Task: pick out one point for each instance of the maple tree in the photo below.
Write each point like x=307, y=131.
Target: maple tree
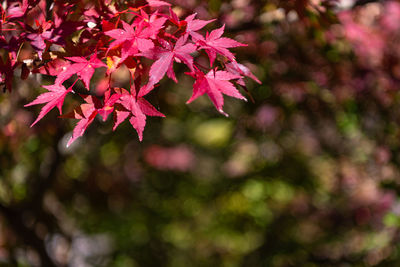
x=75, y=38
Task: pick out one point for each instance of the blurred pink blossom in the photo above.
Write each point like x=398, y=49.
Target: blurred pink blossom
x=368, y=43
x=178, y=158
x=391, y=19
x=266, y=116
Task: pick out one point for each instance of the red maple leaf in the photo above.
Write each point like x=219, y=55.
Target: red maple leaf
x=85, y=113
x=150, y=25
x=194, y=25
x=136, y=108
x=240, y=69
x=215, y=84
x=166, y=56
x=157, y=3
x=17, y=9
x=190, y=24
x=39, y=36
x=53, y=67
x=83, y=68
x=132, y=39
x=53, y=98
x=109, y=102
x=215, y=44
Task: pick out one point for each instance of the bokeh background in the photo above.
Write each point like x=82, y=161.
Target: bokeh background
x=306, y=175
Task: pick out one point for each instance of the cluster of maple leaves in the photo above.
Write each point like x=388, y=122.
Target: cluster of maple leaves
x=71, y=39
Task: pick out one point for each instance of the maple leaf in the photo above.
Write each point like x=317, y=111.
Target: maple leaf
x=53, y=98
x=215, y=84
x=166, y=57
x=53, y=67
x=189, y=24
x=157, y=3
x=109, y=102
x=151, y=25
x=39, y=37
x=215, y=44
x=17, y=9
x=136, y=108
x=193, y=25
x=132, y=40
x=240, y=69
x=86, y=113
x=83, y=68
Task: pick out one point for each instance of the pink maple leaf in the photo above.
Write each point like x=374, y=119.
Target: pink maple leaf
x=240, y=69
x=150, y=25
x=132, y=40
x=53, y=98
x=166, y=57
x=39, y=36
x=215, y=84
x=215, y=44
x=190, y=24
x=86, y=114
x=194, y=25
x=109, y=102
x=83, y=68
x=53, y=67
x=17, y=9
x=136, y=108
x=157, y=3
